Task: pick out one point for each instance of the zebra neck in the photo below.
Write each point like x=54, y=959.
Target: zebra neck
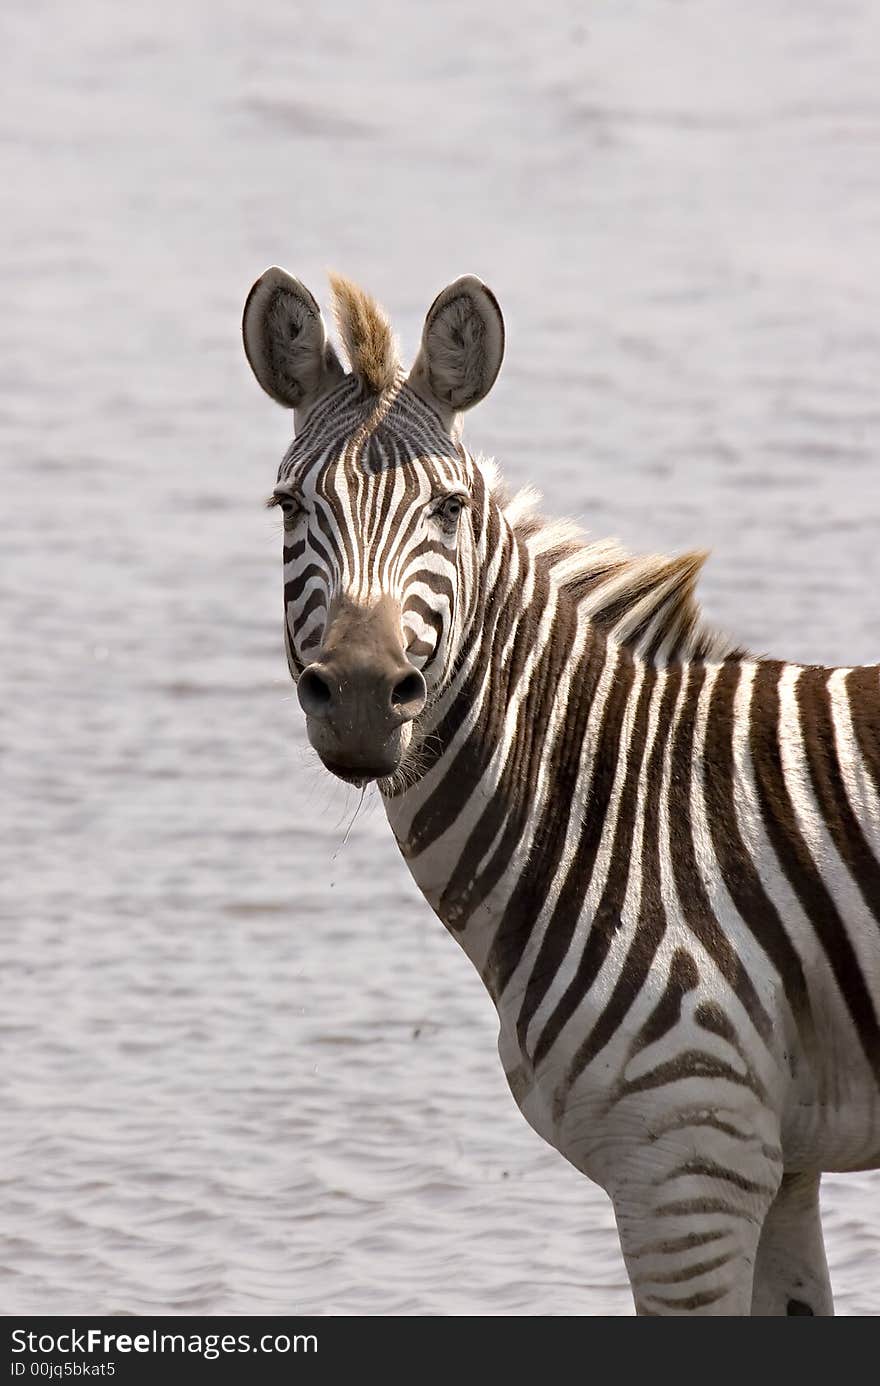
x=503, y=764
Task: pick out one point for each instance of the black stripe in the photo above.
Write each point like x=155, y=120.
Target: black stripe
x=738, y=871
x=695, y=905
x=312, y=603
x=863, y=691
x=697, y=1301
x=814, y=704
x=691, y=1063
x=683, y=977
x=294, y=589
x=684, y=1273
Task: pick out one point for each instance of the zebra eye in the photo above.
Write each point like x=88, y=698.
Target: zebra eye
x=290, y=506
x=448, y=511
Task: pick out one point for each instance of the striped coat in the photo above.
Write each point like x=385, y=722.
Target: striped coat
x=661, y=854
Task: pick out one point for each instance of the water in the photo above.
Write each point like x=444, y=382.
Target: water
x=246, y=1070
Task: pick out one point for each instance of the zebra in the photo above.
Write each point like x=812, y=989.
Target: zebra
x=660, y=852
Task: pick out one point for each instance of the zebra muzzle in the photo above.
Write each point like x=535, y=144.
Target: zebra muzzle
x=362, y=694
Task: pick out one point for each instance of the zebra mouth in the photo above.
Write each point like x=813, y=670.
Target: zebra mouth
x=357, y=775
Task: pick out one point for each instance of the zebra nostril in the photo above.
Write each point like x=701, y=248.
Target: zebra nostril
x=314, y=693
x=408, y=694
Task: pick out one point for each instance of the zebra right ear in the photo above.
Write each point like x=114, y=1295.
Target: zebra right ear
x=285, y=342
x=462, y=348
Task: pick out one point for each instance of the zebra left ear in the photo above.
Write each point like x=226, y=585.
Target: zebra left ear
x=285, y=342
x=462, y=348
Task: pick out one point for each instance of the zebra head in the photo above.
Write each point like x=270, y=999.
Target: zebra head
x=384, y=511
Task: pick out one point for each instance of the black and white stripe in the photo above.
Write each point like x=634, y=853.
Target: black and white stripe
x=662, y=854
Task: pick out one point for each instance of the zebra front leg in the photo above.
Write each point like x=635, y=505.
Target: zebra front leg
x=791, y=1272
x=690, y=1234
x=697, y=1263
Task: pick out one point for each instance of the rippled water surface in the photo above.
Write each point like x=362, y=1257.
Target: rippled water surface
x=245, y=1068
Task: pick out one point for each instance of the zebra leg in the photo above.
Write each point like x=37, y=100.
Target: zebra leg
x=690, y=1228
x=791, y=1272
x=688, y=1267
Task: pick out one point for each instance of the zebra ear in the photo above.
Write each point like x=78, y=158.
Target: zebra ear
x=285, y=342
x=462, y=347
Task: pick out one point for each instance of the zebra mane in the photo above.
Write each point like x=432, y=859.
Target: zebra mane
x=645, y=603
x=366, y=334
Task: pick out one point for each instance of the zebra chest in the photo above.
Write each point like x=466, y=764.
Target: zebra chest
x=537, y=1089
x=534, y=1099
